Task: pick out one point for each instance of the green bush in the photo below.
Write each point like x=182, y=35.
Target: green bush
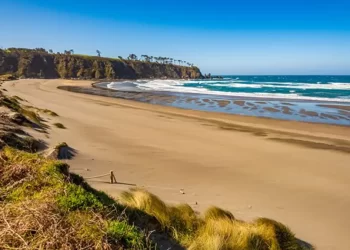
x=128, y=235
x=75, y=197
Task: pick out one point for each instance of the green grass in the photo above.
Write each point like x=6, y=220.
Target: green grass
x=125, y=233
x=90, y=57
x=46, y=209
x=76, y=197
x=59, y=125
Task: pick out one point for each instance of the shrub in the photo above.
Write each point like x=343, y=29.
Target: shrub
x=75, y=197
x=120, y=231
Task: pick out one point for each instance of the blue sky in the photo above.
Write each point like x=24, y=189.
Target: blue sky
x=221, y=37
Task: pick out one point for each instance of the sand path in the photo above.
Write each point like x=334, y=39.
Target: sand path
x=222, y=160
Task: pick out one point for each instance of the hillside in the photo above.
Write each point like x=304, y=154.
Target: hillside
x=28, y=63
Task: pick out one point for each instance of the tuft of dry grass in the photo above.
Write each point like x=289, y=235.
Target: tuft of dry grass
x=218, y=230
x=7, y=77
x=59, y=125
x=61, y=145
x=13, y=104
x=49, y=112
x=213, y=213
x=181, y=221
x=221, y=233
x=147, y=202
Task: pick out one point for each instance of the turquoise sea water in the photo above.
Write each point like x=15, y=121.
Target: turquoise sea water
x=299, y=87
x=318, y=88
x=320, y=99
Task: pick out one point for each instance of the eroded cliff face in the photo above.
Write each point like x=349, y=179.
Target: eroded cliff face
x=36, y=64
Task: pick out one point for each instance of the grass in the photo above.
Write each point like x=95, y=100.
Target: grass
x=49, y=112
x=46, y=207
x=217, y=229
x=43, y=208
x=13, y=104
x=18, y=98
x=26, y=143
x=61, y=145
x=7, y=77
x=59, y=125
x=214, y=213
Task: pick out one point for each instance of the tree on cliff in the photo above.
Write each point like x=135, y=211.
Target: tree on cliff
x=98, y=53
x=132, y=57
x=50, y=51
x=71, y=51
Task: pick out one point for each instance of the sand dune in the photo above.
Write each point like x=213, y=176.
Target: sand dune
x=294, y=172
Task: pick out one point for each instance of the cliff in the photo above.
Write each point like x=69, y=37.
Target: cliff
x=29, y=63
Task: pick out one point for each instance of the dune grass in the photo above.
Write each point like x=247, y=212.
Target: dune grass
x=217, y=229
x=49, y=112
x=7, y=77
x=59, y=125
x=213, y=213
x=13, y=104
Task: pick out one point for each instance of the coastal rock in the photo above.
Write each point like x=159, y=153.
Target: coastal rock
x=27, y=63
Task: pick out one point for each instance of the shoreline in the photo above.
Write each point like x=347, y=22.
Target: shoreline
x=294, y=172
x=238, y=97
x=282, y=109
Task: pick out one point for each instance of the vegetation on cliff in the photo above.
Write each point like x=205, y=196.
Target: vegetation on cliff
x=38, y=63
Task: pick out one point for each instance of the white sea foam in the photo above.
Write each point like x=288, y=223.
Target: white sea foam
x=340, y=86
x=177, y=86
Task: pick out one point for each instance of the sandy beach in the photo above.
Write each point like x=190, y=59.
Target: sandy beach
x=294, y=172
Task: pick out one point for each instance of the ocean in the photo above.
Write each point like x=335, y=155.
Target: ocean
x=319, y=88
x=317, y=99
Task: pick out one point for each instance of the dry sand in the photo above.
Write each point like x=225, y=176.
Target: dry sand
x=294, y=172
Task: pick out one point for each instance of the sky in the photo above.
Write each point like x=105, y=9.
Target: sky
x=220, y=37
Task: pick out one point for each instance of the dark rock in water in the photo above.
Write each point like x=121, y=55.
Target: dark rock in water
x=40, y=64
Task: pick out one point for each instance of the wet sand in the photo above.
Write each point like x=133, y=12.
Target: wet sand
x=341, y=107
x=294, y=172
x=306, y=111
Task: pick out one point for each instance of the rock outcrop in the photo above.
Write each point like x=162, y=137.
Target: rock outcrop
x=28, y=63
